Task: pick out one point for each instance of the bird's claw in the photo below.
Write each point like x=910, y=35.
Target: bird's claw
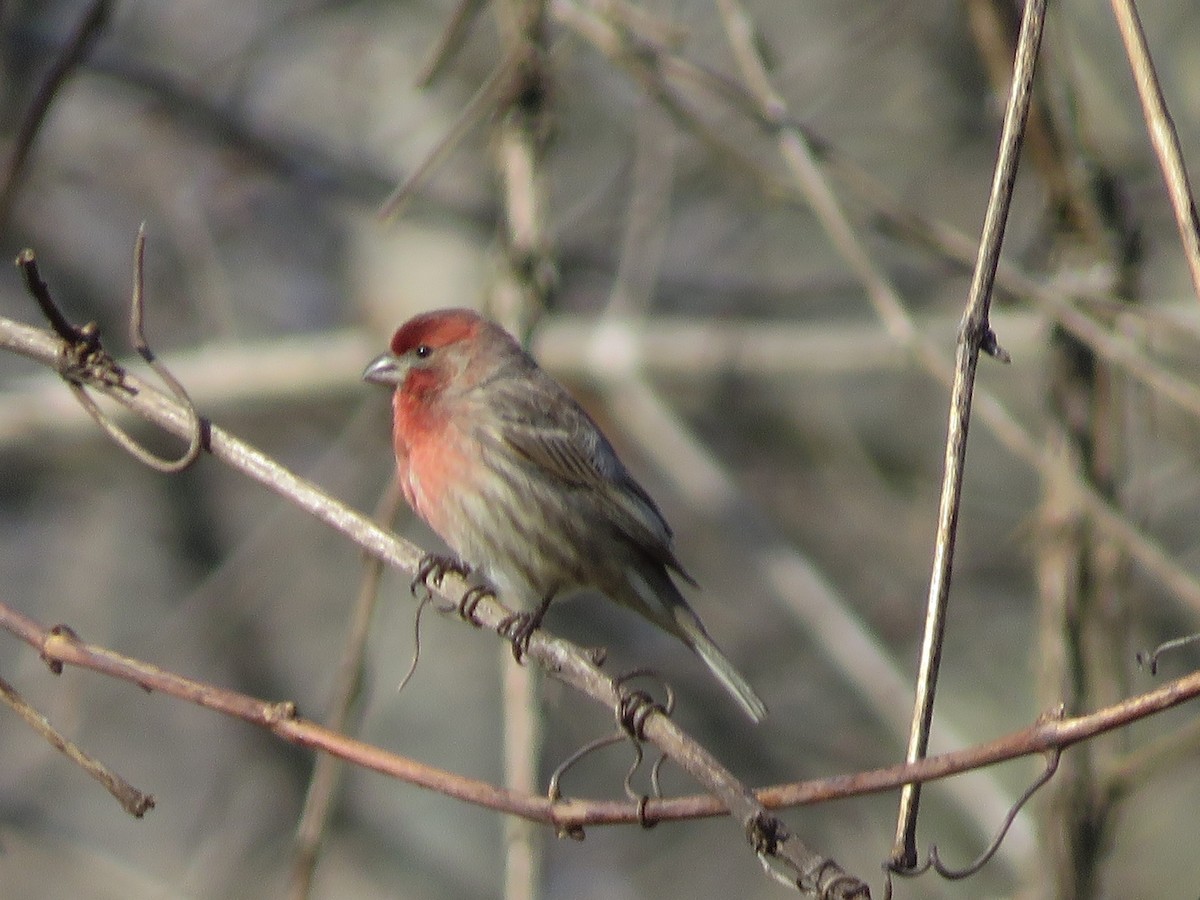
x=470, y=599
x=433, y=568
x=519, y=628
x=516, y=627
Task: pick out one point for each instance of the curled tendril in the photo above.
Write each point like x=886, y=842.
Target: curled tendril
x=554, y=791
x=635, y=707
x=416, y=655
x=824, y=879
x=632, y=710
x=934, y=861
x=84, y=362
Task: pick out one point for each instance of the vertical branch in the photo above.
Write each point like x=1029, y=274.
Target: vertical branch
x=1082, y=570
x=527, y=274
x=975, y=335
x=520, y=295
x=327, y=770
x=1082, y=621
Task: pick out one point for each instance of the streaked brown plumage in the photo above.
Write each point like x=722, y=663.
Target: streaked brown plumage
x=510, y=471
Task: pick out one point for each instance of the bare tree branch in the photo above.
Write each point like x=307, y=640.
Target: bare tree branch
x=810, y=871
x=60, y=647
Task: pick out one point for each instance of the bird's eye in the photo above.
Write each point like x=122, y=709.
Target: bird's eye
x=423, y=351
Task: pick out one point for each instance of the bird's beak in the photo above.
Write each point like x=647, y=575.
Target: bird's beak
x=384, y=369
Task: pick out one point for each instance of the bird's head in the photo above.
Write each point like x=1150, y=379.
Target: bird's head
x=436, y=349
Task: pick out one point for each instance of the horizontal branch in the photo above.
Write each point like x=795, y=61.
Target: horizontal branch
x=59, y=647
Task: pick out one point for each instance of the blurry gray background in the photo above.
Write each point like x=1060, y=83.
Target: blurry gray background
x=257, y=141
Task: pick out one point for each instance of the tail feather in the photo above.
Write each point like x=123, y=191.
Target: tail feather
x=731, y=679
x=659, y=601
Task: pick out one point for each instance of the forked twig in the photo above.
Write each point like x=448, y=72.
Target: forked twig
x=83, y=361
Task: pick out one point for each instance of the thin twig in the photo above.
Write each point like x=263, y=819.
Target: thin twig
x=648, y=64
x=453, y=36
x=132, y=800
x=1162, y=134
x=976, y=335
x=477, y=108
x=90, y=24
x=323, y=783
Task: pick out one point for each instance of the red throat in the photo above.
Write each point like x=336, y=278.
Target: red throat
x=428, y=460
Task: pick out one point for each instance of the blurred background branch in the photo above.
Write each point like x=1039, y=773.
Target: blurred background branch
x=258, y=143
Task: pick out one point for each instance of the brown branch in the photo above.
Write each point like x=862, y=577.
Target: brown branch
x=563, y=660
x=323, y=783
x=59, y=647
x=133, y=801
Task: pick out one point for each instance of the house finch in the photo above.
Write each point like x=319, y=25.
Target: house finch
x=516, y=478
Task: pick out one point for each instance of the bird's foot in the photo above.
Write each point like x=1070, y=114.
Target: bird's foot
x=519, y=628
x=470, y=599
x=433, y=568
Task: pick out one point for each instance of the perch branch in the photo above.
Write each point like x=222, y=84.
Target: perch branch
x=810, y=870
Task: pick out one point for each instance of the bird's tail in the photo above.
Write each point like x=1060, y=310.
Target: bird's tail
x=656, y=597
x=693, y=633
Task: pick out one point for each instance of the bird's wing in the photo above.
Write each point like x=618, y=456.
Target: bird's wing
x=567, y=445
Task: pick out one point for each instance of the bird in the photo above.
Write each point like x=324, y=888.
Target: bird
x=518, y=480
